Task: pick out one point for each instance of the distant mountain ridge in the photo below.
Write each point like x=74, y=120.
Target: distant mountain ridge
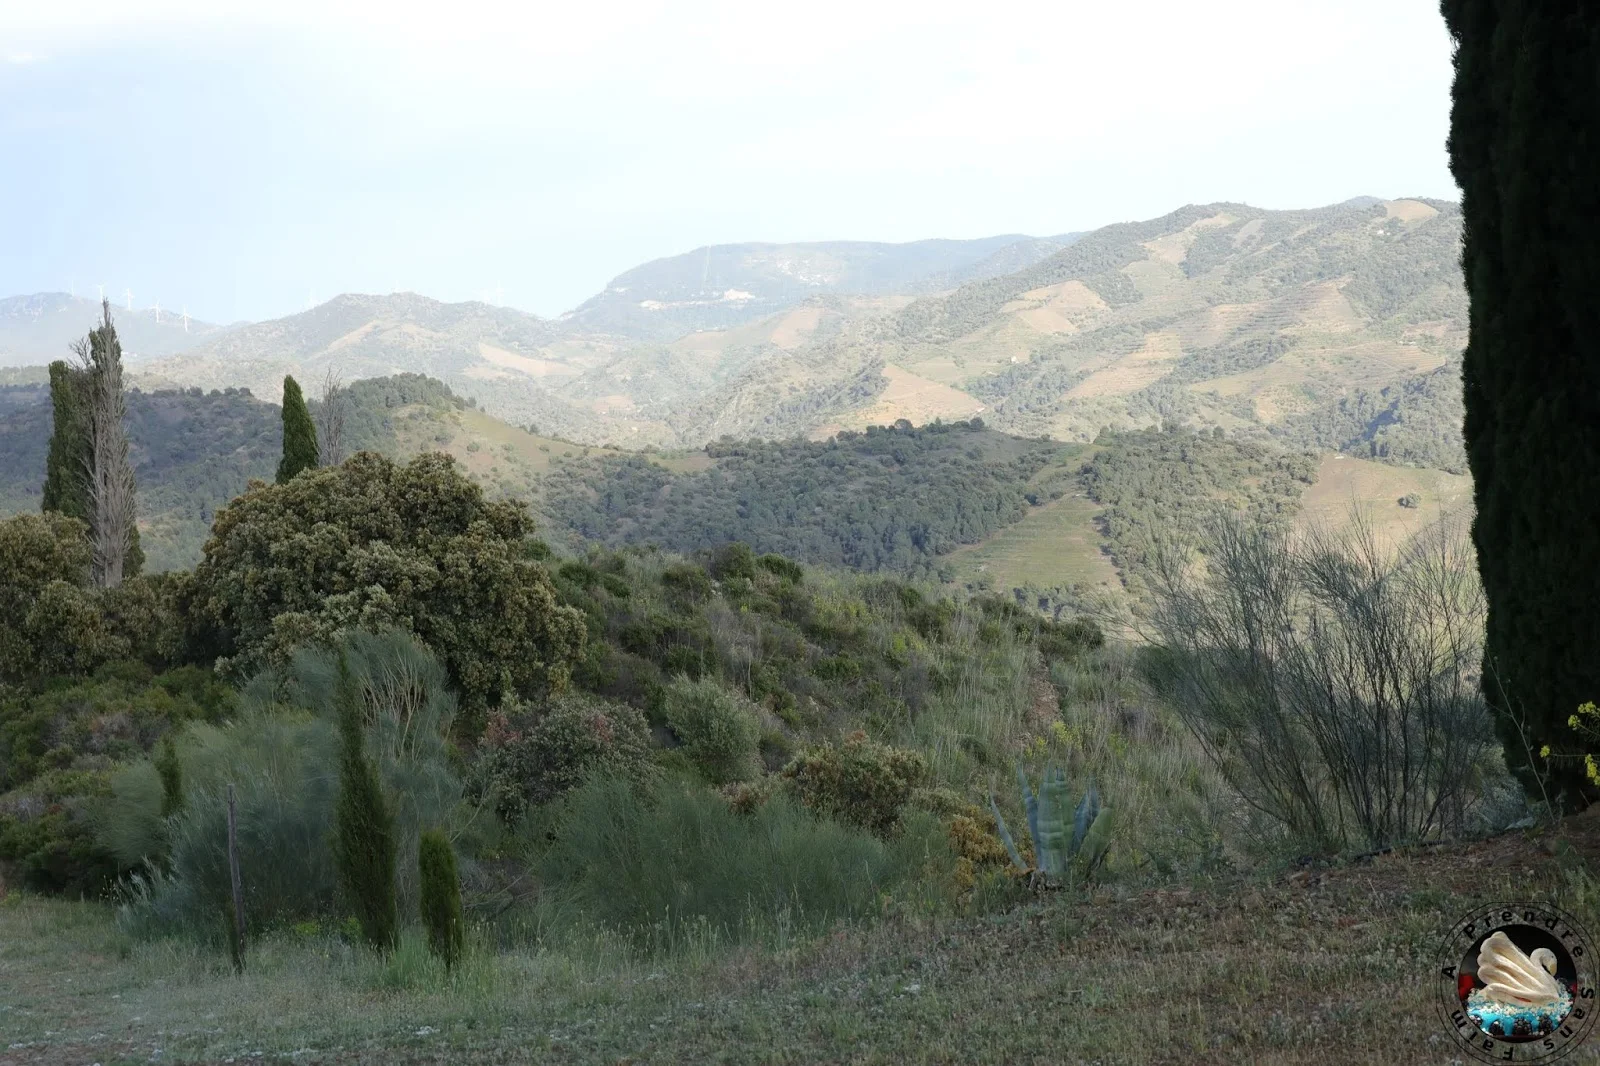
x=725, y=285
x=39, y=328
x=1334, y=326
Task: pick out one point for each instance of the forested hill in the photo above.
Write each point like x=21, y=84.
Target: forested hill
x=893, y=498
x=193, y=451
x=898, y=499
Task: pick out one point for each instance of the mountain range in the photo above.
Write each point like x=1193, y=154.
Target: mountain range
x=38, y=329
x=1336, y=327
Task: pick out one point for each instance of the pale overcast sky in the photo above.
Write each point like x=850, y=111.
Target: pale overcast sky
x=236, y=160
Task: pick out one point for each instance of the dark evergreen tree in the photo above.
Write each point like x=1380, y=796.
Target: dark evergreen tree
x=1525, y=150
x=171, y=771
x=364, y=838
x=299, y=433
x=440, y=896
x=66, y=487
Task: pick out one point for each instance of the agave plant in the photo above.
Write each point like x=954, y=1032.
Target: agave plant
x=1058, y=853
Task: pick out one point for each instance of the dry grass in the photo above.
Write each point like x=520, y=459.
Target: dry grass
x=914, y=397
x=1318, y=966
x=1375, y=488
x=1056, y=544
x=1132, y=372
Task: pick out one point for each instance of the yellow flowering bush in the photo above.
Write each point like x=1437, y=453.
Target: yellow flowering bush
x=1585, y=723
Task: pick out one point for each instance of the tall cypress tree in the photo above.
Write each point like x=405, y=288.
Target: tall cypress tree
x=1525, y=150
x=299, y=433
x=66, y=486
x=364, y=840
x=440, y=896
x=113, y=489
x=70, y=467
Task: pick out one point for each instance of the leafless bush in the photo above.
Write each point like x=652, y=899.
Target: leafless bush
x=330, y=419
x=1332, y=680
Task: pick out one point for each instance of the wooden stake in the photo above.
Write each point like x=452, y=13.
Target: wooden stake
x=238, y=886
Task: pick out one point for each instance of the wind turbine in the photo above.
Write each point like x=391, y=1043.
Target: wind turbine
x=186, y=319
x=158, y=310
x=129, y=294
x=102, y=288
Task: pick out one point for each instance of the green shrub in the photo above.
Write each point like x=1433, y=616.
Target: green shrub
x=734, y=560
x=532, y=758
x=860, y=782
x=787, y=569
x=441, y=896
x=719, y=728
x=371, y=543
x=686, y=584
x=47, y=836
x=118, y=714
x=364, y=848
x=656, y=869
x=282, y=754
x=1067, y=640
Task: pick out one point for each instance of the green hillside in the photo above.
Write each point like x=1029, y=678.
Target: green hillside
x=894, y=499
x=192, y=452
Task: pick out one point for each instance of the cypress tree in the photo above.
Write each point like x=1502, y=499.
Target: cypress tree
x=171, y=772
x=364, y=843
x=87, y=472
x=299, y=433
x=440, y=896
x=1525, y=150
x=66, y=486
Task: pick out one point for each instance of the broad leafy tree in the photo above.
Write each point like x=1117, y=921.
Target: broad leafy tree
x=371, y=544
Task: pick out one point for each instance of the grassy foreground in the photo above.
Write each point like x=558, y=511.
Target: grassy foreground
x=1310, y=966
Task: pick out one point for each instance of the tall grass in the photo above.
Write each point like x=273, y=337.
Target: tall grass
x=280, y=755
x=1175, y=814
x=680, y=867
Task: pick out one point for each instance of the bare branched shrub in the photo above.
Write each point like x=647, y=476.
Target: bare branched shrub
x=1333, y=680
x=330, y=418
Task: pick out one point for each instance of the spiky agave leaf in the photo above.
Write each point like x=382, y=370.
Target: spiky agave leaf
x=1084, y=817
x=1052, y=822
x=1096, y=842
x=1030, y=803
x=1005, y=835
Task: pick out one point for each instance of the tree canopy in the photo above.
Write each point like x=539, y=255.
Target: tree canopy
x=371, y=544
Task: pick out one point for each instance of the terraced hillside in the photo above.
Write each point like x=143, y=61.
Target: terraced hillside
x=1334, y=328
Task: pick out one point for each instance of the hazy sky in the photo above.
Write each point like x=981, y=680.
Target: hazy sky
x=236, y=160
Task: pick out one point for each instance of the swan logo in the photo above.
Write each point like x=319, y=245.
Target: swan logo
x=1517, y=983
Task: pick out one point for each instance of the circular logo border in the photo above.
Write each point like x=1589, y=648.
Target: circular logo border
x=1481, y=920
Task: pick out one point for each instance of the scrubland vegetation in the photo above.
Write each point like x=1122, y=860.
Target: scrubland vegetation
x=715, y=806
